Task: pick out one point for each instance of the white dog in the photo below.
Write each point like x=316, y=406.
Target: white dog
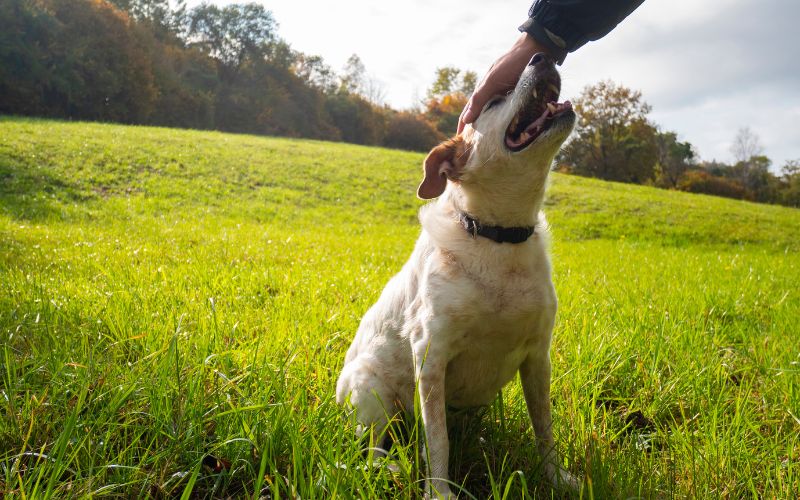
x=475, y=302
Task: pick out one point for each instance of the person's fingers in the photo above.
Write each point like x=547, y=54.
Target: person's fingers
x=467, y=115
x=472, y=110
x=501, y=77
x=461, y=123
x=476, y=101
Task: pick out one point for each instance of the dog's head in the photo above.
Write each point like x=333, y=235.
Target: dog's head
x=508, y=151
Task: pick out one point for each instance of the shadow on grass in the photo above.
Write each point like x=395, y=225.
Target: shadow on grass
x=494, y=458
x=31, y=193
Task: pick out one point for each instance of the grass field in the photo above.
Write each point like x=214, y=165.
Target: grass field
x=175, y=307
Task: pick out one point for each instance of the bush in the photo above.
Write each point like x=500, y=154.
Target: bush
x=410, y=131
x=698, y=181
x=356, y=118
x=75, y=59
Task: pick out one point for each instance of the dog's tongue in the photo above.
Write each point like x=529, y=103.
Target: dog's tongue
x=535, y=128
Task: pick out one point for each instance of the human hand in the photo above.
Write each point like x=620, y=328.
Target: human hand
x=501, y=78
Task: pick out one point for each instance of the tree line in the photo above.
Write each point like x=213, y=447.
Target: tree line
x=225, y=68
x=615, y=140
x=209, y=67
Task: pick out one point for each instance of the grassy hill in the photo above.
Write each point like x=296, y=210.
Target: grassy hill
x=175, y=307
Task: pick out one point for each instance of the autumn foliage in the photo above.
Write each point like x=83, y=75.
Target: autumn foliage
x=211, y=67
x=614, y=139
x=225, y=68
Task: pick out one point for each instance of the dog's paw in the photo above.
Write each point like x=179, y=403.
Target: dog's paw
x=562, y=479
x=437, y=490
x=448, y=495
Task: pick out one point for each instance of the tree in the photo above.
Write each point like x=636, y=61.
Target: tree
x=445, y=83
x=232, y=34
x=444, y=112
x=450, y=80
x=468, y=82
x=406, y=130
x=354, y=76
x=613, y=139
x=674, y=158
x=374, y=91
x=717, y=168
x=790, y=191
x=187, y=81
x=746, y=144
x=26, y=38
x=748, y=152
x=354, y=80
x=701, y=181
x=755, y=176
x=356, y=118
x=163, y=20
x=90, y=61
x=447, y=96
x=315, y=72
x=138, y=61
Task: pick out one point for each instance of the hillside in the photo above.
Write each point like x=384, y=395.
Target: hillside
x=176, y=306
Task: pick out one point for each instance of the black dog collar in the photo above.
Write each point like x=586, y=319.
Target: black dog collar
x=499, y=234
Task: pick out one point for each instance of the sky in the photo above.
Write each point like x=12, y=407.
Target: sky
x=708, y=68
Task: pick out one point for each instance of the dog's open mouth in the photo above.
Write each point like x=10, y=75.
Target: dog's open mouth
x=532, y=121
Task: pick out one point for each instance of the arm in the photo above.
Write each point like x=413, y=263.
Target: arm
x=566, y=25
x=555, y=27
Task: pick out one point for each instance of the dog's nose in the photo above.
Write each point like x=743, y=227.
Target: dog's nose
x=537, y=58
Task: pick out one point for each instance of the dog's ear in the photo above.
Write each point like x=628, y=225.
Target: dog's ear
x=445, y=161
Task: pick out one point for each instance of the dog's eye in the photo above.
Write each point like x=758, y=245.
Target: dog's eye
x=494, y=102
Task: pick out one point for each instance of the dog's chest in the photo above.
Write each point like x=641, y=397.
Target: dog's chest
x=487, y=356
x=502, y=312
x=505, y=287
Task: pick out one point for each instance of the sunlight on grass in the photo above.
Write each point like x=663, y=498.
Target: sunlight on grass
x=175, y=307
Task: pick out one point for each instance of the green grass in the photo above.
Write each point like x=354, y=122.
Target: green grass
x=171, y=296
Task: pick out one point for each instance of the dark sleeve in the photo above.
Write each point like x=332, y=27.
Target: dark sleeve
x=566, y=25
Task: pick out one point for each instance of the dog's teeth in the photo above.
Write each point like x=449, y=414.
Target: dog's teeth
x=551, y=107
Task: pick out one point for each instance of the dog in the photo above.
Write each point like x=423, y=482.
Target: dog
x=475, y=303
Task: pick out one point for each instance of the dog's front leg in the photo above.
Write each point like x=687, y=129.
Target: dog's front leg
x=431, y=364
x=535, y=377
